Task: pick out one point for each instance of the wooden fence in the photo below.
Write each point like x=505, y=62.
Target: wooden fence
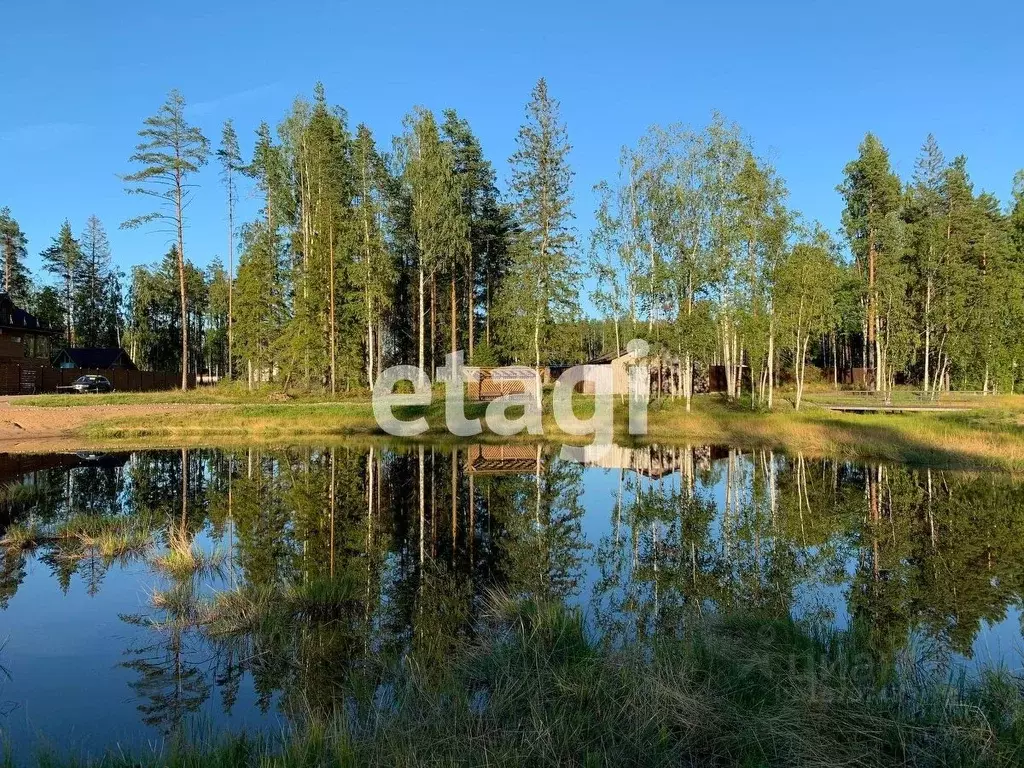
x=493, y=383
x=24, y=379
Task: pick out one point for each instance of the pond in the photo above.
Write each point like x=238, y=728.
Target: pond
x=147, y=594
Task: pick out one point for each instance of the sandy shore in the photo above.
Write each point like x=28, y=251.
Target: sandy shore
x=26, y=428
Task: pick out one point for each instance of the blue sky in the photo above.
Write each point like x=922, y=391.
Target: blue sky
x=804, y=79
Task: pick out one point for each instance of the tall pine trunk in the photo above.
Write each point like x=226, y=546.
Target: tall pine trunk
x=333, y=329
x=470, y=311
x=231, y=278
x=872, y=306
x=181, y=279
x=421, y=324
x=454, y=339
x=927, y=331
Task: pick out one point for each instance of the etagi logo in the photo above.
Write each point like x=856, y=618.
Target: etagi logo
x=629, y=377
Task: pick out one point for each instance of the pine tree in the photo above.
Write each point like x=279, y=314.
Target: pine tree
x=872, y=194
x=374, y=269
x=170, y=152
x=14, y=250
x=478, y=195
x=216, y=322
x=95, y=326
x=63, y=259
x=924, y=214
x=46, y=306
x=261, y=305
x=316, y=146
x=996, y=294
x=230, y=159
x=543, y=285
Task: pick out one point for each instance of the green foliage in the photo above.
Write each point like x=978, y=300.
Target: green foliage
x=169, y=153
x=362, y=258
x=541, y=285
x=63, y=260
x=14, y=249
x=154, y=327
x=484, y=356
x=97, y=291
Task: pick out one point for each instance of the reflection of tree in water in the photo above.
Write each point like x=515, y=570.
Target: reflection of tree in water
x=337, y=560
x=171, y=681
x=936, y=553
x=939, y=553
x=538, y=541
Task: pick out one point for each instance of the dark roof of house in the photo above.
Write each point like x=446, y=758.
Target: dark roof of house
x=16, y=317
x=605, y=358
x=97, y=357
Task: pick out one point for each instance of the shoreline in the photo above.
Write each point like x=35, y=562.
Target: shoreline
x=990, y=436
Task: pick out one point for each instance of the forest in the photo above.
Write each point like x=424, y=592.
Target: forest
x=367, y=253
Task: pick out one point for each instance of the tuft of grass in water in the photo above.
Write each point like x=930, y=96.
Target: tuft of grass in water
x=268, y=610
x=184, y=557
x=114, y=545
x=22, y=536
x=535, y=687
x=111, y=537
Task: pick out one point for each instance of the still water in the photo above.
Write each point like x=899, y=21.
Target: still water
x=359, y=552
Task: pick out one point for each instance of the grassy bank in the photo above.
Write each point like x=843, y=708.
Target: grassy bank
x=989, y=435
x=535, y=688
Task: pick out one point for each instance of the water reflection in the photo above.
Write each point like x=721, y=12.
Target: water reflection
x=271, y=584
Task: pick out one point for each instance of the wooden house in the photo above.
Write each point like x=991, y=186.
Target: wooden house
x=23, y=337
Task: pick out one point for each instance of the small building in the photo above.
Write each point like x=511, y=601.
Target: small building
x=96, y=358
x=492, y=383
x=622, y=366
x=23, y=336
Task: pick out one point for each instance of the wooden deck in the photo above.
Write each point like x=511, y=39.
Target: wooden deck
x=893, y=408
x=899, y=401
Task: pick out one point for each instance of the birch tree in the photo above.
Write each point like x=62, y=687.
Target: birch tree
x=807, y=279
x=436, y=218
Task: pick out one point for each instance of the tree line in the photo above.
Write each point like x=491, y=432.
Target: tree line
x=85, y=300
x=696, y=247
x=363, y=256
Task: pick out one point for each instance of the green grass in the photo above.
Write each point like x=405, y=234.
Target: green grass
x=223, y=394
x=112, y=537
x=184, y=558
x=278, y=609
x=535, y=688
x=991, y=435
